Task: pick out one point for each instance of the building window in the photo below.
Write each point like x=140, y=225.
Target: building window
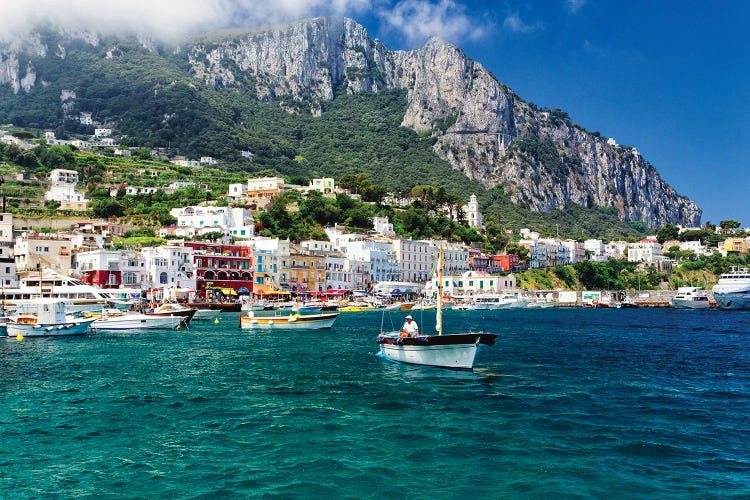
x=163, y=278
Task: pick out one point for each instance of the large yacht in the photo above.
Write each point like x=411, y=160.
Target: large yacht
x=77, y=294
x=733, y=289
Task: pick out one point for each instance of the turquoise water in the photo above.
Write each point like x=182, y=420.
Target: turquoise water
x=580, y=403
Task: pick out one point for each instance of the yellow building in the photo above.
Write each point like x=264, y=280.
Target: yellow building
x=738, y=245
x=307, y=272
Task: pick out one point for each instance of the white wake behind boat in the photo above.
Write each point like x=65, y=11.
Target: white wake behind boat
x=116, y=320
x=445, y=351
x=47, y=320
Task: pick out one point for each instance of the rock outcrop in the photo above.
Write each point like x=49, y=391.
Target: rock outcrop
x=538, y=157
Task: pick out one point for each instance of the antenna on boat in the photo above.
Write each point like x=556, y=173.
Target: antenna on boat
x=439, y=313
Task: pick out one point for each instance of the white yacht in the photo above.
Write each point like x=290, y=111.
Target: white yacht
x=78, y=296
x=733, y=289
x=499, y=301
x=690, y=297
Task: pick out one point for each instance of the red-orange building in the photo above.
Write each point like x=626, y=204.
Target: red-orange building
x=222, y=267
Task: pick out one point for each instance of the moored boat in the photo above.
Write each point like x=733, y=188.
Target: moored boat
x=287, y=321
x=733, y=289
x=117, y=320
x=49, y=319
x=690, y=297
x=444, y=351
x=171, y=309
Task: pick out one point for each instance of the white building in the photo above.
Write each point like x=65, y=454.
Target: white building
x=102, y=132
x=6, y=235
x=237, y=190
x=596, y=250
x=473, y=215
x=185, y=232
x=63, y=189
x=45, y=250
x=208, y=160
x=416, y=259
x=645, y=251
x=346, y=274
x=340, y=239
x=455, y=256
x=125, y=268
x=169, y=266
x=615, y=249
x=236, y=221
x=472, y=283
x=576, y=251
x=86, y=119
x=316, y=246
x=379, y=255
x=383, y=227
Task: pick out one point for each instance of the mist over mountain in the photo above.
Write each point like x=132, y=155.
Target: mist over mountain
x=262, y=90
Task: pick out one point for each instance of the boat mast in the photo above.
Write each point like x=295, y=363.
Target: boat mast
x=439, y=308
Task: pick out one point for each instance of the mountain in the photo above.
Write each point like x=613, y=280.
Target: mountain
x=475, y=124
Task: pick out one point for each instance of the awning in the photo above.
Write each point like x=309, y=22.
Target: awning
x=243, y=290
x=228, y=291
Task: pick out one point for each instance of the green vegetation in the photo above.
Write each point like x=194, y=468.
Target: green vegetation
x=153, y=100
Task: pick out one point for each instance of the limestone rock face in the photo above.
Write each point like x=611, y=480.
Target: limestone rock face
x=478, y=122
x=539, y=158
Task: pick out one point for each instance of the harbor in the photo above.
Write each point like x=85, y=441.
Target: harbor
x=571, y=401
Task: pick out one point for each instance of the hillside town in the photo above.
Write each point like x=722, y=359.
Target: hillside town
x=237, y=260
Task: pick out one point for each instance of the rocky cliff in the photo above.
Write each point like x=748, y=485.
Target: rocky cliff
x=480, y=124
x=538, y=157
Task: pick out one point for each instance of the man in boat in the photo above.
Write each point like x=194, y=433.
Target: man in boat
x=410, y=328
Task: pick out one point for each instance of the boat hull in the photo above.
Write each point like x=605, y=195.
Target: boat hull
x=690, y=304
x=74, y=327
x=137, y=322
x=732, y=300
x=445, y=351
x=291, y=322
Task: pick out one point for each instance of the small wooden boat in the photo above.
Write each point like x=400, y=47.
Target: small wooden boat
x=287, y=321
x=446, y=351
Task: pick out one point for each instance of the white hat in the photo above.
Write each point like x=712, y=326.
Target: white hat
x=409, y=317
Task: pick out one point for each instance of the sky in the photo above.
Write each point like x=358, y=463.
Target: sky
x=669, y=77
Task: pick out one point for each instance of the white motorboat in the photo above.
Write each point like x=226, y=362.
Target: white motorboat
x=49, y=319
x=490, y=301
x=116, y=320
x=445, y=351
x=733, y=289
x=78, y=296
x=690, y=297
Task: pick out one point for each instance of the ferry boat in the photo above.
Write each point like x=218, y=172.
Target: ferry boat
x=77, y=295
x=733, y=289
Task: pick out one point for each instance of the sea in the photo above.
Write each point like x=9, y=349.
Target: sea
x=572, y=403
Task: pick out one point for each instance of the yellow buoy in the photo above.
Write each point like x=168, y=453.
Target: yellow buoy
x=19, y=337
x=216, y=321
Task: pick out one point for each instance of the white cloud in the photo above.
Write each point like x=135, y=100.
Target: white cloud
x=418, y=20
x=574, y=6
x=162, y=19
x=514, y=23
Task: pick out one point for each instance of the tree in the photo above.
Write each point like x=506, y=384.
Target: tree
x=106, y=208
x=668, y=232
x=728, y=225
